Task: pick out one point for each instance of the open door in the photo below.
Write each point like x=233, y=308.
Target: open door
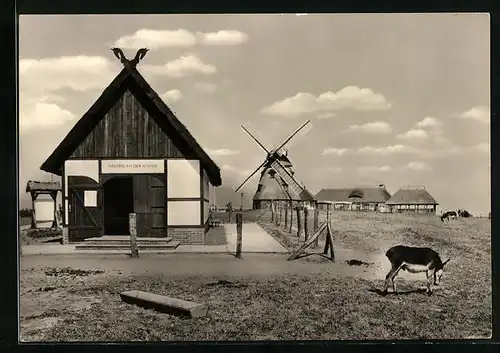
x=149, y=205
x=84, y=211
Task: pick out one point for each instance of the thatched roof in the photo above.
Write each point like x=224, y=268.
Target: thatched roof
x=42, y=186
x=129, y=79
x=368, y=194
x=412, y=197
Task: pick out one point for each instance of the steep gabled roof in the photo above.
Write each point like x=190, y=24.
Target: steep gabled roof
x=412, y=197
x=129, y=79
x=369, y=194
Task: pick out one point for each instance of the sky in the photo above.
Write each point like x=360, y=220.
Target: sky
x=398, y=99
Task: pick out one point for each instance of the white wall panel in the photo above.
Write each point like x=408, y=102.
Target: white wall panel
x=183, y=213
x=205, y=211
x=183, y=178
x=88, y=168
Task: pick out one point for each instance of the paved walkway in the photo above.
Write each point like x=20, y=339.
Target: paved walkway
x=254, y=240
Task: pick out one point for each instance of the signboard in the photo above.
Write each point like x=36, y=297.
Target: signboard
x=131, y=166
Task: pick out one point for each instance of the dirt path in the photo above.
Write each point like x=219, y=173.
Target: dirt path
x=251, y=265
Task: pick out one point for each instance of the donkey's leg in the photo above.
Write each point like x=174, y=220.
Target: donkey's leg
x=390, y=276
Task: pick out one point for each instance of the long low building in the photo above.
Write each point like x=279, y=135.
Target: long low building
x=412, y=200
x=352, y=199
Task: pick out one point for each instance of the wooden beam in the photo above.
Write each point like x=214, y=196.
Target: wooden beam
x=164, y=304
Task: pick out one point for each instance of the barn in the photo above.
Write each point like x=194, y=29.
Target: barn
x=358, y=198
x=412, y=200
x=127, y=154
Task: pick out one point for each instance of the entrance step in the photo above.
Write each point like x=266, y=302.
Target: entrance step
x=123, y=242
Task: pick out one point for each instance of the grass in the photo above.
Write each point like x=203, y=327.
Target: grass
x=335, y=301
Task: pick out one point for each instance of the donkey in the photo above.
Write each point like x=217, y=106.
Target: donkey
x=414, y=260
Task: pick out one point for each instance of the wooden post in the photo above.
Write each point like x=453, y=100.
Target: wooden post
x=272, y=211
x=132, y=219
x=306, y=223
x=291, y=218
x=286, y=216
x=299, y=222
x=316, y=224
x=230, y=211
x=33, y=215
x=239, y=235
x=280, y=206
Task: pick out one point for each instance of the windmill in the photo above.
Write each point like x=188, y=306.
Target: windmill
x=277, y=173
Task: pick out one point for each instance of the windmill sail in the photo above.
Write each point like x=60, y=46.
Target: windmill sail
x=293, y=184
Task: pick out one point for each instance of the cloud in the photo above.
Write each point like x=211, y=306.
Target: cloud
x=418, y=166
x=79, y=73
x=43, y=115
x=375, y=169
x=326, y=116
x=221, y=152
x=414, y=134
x=377, y=127
x=429, y=122
x=483, y=147
x=335, y=169
x=227, y=168
x=387, y=150
x=350, y=97
x=334, y=151
x=480, y=113
x=225, y=37
x=184, y=66
x=205, y=87
x=156, y=39
x=172, y=96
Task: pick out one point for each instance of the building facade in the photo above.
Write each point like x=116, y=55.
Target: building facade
x=353, y=199
x=130, y=154
x=412, y=200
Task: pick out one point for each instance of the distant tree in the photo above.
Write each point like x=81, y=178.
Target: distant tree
x=25, y=212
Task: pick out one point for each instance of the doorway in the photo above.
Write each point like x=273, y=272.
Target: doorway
x=118, y=197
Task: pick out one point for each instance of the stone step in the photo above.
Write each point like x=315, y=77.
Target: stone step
x=126, y=240
x=165, y=246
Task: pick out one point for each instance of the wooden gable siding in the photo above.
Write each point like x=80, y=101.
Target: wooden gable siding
x=128, y=131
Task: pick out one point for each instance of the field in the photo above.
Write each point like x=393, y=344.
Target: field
x=265, y=297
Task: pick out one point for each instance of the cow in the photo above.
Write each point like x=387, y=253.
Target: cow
x=414, y=260
x=464, y=214
x=447, y=215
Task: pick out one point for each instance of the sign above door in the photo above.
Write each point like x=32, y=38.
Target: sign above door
x=133, y=166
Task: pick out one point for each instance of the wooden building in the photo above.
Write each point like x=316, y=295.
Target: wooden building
x=353, y=199
x=130, y=154
x=412, y=200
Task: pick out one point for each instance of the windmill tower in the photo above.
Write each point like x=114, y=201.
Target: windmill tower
x=277, y=181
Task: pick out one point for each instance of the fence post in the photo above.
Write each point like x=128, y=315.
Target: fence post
x=306, y=223
x=132, y=221
x=239, y=231
x=316, y=225
x=299, y=222
x=286, y=216
x=272, y=211
x=291, y=218
x=281, y=212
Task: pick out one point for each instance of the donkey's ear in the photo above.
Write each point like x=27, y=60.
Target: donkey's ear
x=444, y=263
